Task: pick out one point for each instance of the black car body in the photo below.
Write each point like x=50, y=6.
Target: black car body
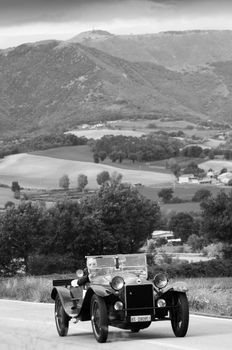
x=117, y=293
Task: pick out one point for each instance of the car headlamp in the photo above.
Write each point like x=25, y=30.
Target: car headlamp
x=117, y=283
x=160, y=280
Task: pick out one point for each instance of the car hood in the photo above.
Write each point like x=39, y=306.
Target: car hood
x=128, y=278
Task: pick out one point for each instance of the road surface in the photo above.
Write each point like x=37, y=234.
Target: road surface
x=31, y=326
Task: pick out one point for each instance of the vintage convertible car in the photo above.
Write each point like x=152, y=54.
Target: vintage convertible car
x=117, y=293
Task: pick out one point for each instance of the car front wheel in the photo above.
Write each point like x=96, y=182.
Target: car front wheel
x=99, y=318
x=180, y=315
x=61, y=318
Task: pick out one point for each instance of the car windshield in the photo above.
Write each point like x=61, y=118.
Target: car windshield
x=117, y=264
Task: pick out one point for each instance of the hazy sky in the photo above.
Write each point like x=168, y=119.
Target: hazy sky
x=31, y=20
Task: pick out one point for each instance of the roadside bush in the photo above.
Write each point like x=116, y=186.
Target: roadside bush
x=214, y=250
x=211, y=268
x=48, y=264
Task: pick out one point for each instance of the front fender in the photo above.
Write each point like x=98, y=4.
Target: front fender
x=102, y=291
x=65, y=298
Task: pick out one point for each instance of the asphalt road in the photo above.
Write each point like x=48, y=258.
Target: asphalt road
x=30, y=326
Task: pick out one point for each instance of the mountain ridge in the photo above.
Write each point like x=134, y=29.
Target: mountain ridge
x=55, y=85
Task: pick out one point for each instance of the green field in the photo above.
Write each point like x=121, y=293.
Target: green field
x=183, y=191
x=36, y=171
x=217, y=164
x=84, y=154
x=165, y=125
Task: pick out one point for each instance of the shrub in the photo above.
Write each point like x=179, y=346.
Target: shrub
x=48, y=264
x=214, y=250
x=211, y=268
x=201, y=195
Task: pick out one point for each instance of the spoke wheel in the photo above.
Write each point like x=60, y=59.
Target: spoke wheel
x=99, y=318
x=61, y=318
x=180, y=315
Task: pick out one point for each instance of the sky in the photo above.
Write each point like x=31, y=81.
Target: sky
x=24, y=21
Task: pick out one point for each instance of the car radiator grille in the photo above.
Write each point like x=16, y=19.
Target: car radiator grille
x=139, y=300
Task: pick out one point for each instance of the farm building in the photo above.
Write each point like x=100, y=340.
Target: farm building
x=225, y=178
x=187, y=178
x=205, y=181
x=162, y=234
x=168, y=235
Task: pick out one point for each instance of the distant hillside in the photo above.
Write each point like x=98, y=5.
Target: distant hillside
x=55, y=85
x=174, y=50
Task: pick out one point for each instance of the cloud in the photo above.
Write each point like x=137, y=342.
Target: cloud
x=29, y=11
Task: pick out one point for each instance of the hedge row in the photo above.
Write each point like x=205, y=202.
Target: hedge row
x=211, y=268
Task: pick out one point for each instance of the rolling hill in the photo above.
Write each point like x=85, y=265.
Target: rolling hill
x=173, y=50
x=55, y=85
x=35, y=171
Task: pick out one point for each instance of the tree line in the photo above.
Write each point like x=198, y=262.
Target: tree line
x=41, y=142
x=115, y=219
x=145, y=148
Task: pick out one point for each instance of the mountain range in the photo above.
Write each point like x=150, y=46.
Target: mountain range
x=55, y=85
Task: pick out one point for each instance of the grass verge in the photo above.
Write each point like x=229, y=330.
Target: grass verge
x=211, y=296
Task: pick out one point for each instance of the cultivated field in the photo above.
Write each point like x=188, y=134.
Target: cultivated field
x=217, y=165
x=98, y=133
x=84, y=154
x=34, y=171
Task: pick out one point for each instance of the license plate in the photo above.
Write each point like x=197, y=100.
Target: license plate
x=143, y=318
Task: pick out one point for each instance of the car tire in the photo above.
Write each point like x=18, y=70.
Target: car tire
x=180, y=315
x=61, y=318
x=99, y=318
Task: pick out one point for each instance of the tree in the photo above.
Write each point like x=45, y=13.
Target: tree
x=192, y=168
x=102, y=155
x=64, y=182
x=127, y=218
x=195, y=242
x=21, y=233
x=9, y=204
x=183, y=226
x=176, y=169
x=121, y=156
x=96, y=158
x=217, y=219
x=166, y=194
x=223, y=171
x=211, y=154
x=192, y=151
x=15, y=186
x=115, y=178
x=113, y=156
x=82, y=181
x=103, y=177
x=201, y=195
x=132, y=156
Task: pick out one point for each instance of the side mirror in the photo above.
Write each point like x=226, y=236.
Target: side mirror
x=79, y=273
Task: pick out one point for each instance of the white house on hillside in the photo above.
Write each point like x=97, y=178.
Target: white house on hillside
x=187, y=178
